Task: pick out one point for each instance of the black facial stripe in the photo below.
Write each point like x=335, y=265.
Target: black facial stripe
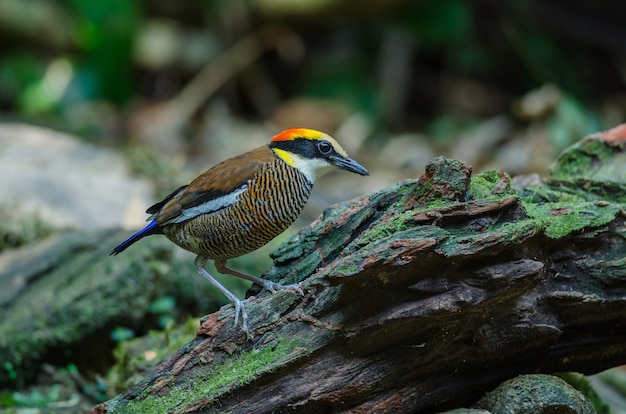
x=305, y=147
x=300, y=146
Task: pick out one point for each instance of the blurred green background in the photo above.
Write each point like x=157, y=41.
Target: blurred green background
x=173, y=87
x=543, y=72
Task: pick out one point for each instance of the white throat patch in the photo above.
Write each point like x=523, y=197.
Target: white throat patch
x=311, y=168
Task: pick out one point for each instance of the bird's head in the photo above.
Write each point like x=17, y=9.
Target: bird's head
x=313, y=152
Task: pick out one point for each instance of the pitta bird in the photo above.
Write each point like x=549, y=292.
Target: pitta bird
x=242, y=203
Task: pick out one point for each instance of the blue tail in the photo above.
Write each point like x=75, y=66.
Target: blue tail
x=152, y=228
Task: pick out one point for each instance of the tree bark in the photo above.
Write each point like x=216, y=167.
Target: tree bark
x=423, y=296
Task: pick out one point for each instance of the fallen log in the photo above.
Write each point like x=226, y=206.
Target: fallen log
x=422, y=296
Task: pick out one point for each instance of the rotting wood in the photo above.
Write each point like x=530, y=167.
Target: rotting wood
x=423, y=296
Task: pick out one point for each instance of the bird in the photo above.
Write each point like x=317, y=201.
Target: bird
x=242, y=203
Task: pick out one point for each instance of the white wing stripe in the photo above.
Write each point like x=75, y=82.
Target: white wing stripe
x=210, y=206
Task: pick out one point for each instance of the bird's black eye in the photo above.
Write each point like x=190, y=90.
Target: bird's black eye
x=324, y=147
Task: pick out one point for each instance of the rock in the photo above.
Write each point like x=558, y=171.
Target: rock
x=536, y=393
x=67, y=183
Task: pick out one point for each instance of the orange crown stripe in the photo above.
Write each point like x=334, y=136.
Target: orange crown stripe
x=294, y=133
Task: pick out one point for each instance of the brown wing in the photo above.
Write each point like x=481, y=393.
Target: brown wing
x=209, y=192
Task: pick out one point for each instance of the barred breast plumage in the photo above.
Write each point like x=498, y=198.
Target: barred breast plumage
x=271, y=201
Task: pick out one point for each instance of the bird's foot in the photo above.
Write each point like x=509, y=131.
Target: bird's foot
x=240, y=310
x=273, y=287
x=240, y=305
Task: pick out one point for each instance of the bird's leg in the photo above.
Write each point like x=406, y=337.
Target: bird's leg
x=267, y=284
x=240, y=308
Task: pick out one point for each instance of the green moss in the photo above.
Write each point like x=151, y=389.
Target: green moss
x=491, y=184
x=236, y=371
x=467, y=242
x=450, y=172
x=379, y=247
x=515, y=231
x=396, y=224
x=405, y=221
x=561, y=208
x=562, y=218
x=480, y=187
x=549, y=193
x=444, y=181
x=590, y=159
x=347, y=268
x=431, y=204
x=602, y=190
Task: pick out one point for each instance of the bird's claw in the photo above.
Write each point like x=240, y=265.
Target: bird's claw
x=240, y=309
x=240, y=305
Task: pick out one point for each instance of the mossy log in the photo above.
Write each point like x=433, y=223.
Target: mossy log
x=56, y=294
x=423, y=296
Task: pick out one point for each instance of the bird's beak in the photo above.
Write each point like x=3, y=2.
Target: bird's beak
x=348, y=164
